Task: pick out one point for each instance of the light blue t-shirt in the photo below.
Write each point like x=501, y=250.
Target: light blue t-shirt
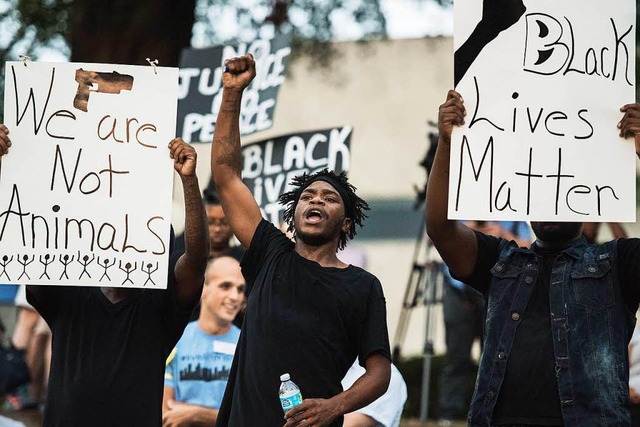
x=198, y=367
x=8, y=293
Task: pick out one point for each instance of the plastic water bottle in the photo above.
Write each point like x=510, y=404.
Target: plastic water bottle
x=290, y=396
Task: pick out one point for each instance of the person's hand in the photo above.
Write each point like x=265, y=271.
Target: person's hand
x=630, y=123
x=184, y=157
x=634, y=396
x=238, y=72
x=5, y=142
x=451, y=114
x=312, y=412
x=178, y=414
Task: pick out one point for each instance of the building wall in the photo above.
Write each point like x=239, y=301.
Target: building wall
x=387, y=91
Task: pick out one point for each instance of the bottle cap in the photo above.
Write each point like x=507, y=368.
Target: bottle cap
x=285, y=377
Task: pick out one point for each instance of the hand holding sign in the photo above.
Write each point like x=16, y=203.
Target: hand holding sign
x=630, y=123
x=5, y=142
x=450, y=114
x=184, y=157
x=239, y=72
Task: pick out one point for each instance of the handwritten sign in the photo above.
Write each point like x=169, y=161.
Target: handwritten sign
x=85, y=190
x=543, y=83
x=200, y=84
x=269, y=166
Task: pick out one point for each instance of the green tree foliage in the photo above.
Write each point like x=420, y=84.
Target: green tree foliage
x=125, y=31
x=312, y=23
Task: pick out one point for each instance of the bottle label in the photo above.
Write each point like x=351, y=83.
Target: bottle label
x=290, y=402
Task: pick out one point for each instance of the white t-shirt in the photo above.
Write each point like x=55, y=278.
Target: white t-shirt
x=387, y=409
x=21, y=298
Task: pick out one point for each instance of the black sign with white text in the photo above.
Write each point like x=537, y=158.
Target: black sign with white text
x=200, y=87
x=269, y=166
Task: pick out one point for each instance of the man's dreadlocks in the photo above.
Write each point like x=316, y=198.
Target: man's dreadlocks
x=354, y=206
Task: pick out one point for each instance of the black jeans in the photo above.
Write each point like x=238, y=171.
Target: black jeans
x=635, y=415
x=463, y=320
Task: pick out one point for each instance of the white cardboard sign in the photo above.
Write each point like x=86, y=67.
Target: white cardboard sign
x=543, y=82
x=85, y=191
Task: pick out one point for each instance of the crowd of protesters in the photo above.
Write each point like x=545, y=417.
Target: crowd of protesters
x=110, y=345
x=558, y=314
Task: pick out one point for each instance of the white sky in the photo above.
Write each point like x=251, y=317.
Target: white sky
x=405, y=19
x=414, y=19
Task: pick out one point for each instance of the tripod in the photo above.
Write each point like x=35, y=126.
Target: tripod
x=424, y=286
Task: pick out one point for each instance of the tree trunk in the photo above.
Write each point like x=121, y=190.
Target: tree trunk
x=128, y=32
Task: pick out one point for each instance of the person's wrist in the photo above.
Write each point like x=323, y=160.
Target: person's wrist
x=444, y=138
x=231, y=99
x=190, y=178
x=232, y=92
x=337, y=406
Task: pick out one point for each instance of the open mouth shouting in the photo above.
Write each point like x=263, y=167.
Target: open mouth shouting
x=314, y=215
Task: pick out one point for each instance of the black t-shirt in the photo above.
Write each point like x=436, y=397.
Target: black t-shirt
x=529, y=392
x=303, y=319
x=108, y=360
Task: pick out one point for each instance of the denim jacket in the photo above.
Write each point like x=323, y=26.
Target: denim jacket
x=591, y=328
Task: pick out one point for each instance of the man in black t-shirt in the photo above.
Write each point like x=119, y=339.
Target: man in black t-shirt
x=559, y=315
x=308, y=314
x=110, y=345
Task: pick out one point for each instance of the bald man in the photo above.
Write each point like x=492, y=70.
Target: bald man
x=198, y=368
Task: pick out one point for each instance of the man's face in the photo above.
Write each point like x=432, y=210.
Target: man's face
x=219, y=229
x=319, y=216
x=556, y=232
x=223, y=291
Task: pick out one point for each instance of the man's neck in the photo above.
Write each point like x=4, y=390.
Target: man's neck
x=324, y=255
x=211, y=325
x=557, y=246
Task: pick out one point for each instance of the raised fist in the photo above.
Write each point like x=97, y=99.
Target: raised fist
x=238, y=72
